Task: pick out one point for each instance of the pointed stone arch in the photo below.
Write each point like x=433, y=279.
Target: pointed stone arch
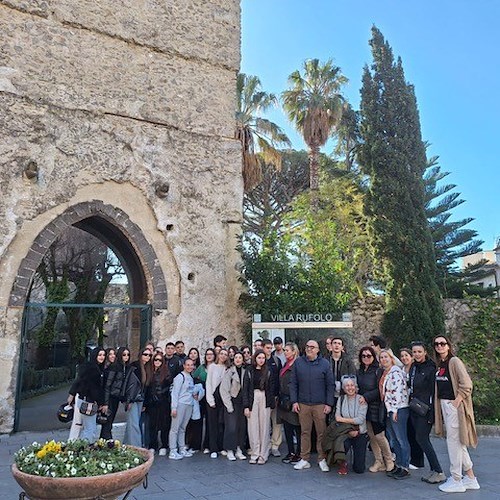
x=112, y=226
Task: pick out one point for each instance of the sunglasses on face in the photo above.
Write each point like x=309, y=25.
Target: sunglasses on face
x=125, y=354
x=440, y=344
x=366, y=355
x=158, y=359
x=146, y=354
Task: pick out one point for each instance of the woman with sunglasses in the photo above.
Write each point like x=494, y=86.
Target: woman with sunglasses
x=114, y=376
x=421, y=381
x=157, y=404
x=367, y=377
x=454, y=412
x=247, y=354
x=136, y=380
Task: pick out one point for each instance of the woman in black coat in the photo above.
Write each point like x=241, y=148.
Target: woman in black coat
x=114, y=376
x=289, y=418
x=157, y=404
x=89, y=386
x=421, y=380
x=368, y=377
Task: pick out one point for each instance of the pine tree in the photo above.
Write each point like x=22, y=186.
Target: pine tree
x=393, y=157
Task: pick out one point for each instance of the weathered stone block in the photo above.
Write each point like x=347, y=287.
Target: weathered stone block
x=200, y=29
x=81, y=69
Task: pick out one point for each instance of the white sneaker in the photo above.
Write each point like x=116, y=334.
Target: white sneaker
x=470, y=484
x=213, y=454
x=324, y=466
x=239, y=454
x=414, y=467
x=275, y=452
x=452, y=486
x=152, y=450
x=173, y=455
x=206, y=451
x=185, y=453
x=193, y=451
x=162, y=452
x=230, y=455
x=303, y=464
x=223, y=453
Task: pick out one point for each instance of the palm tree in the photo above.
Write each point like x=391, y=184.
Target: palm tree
x=314, y=104
x=256, y=134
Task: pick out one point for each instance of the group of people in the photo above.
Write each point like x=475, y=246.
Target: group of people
x=236, y=402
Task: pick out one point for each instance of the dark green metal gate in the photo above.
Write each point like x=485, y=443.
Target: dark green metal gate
x=47, y=366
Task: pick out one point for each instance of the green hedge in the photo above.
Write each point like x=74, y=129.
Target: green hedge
x=36, y=379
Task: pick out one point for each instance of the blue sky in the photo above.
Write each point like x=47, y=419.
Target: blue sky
x=450, y=53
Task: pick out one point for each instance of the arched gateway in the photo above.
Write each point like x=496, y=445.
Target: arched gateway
x=122, y=126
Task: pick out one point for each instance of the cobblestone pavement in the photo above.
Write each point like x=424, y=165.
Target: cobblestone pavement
x=204, y=478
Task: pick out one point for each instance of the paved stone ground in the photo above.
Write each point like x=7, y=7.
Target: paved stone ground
x=204, y=478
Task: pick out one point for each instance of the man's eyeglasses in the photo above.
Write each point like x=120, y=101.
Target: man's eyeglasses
x=440, y=344
x=311, y=347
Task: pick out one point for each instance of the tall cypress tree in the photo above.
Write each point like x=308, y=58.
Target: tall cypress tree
x=393, y=157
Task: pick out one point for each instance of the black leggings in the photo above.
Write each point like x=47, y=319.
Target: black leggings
x=422, y=430
x=215, y=420
x=106, y=429
x=292, y=431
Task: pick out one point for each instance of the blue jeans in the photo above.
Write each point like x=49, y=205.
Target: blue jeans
x=133, y=434
x=398, y=437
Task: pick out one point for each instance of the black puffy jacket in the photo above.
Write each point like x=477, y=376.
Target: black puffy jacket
x=368, y=388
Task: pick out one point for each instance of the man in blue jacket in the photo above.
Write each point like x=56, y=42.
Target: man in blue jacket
x=311, y=392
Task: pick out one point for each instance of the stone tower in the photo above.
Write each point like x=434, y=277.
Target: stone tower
x=119, y=119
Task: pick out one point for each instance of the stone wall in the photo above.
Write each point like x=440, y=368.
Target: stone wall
x=106, y=104
x=367, y=316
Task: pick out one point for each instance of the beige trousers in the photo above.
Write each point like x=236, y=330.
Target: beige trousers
x=259, y=427
x=307, y=415
x=459, y=456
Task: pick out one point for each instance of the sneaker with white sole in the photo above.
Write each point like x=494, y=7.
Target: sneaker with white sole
x=230, y=455
x=470, y=484
x=206, y=451
x=185, y=453
x=173, y=455
x=452, y=486
x=162, y=452
x=324, y=466
x=152, y=450
x=223, y=453
x=303, y=464
x=275, y=452
x=213, y=454
x=239, y=454
x=434, y=478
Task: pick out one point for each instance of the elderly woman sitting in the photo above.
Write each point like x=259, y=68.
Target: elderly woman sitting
x=349, y=429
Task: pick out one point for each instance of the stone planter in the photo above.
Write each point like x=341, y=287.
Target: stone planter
x=105, y=487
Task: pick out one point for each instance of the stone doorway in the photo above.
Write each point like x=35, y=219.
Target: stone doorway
x=51, y=362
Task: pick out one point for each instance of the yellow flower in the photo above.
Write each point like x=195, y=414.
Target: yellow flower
x=41, y=453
